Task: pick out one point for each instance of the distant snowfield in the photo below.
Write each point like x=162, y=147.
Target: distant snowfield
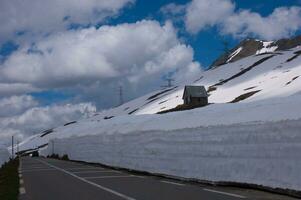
x=256, y=140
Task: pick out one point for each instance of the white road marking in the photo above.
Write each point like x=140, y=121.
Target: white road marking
x=101, y=177
x=225, y=193
x=174, y=183
x=37, y=170
x=30, y=168
x=20, y=166
x=102, y=171
x=21, y=181
x=22, y=190
x=84, y=168
x=20, y=175
x=89, y=182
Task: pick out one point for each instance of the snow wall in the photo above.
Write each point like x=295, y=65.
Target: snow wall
x=266, y=154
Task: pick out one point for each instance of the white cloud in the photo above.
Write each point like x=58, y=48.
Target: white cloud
x=91, y=63
x=42, y=17
x=10, y=89
x=283, y=22
x=37, y=119
x=123, y=54
x=15, y=105
x=173, y=11
x=201, y=14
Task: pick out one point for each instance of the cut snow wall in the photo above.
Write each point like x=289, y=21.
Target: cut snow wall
x=259, y=153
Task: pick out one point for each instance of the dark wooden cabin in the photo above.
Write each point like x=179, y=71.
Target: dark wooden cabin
x=195, y=96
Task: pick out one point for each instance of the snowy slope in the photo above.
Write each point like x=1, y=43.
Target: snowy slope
x=275, y=76
x=257, y=137
x=270, y=77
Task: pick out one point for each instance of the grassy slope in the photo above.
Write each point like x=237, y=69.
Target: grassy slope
x=9, y=180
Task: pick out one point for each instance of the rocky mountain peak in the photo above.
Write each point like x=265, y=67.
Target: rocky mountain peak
x=251, y=46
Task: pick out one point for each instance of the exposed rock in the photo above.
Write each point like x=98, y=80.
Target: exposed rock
x=251, y=47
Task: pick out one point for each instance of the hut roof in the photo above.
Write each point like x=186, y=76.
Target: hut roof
x=195, y=91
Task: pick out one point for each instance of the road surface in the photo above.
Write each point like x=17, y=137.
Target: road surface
x=49, y=179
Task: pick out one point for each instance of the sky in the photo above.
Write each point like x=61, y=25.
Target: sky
x=61, y=60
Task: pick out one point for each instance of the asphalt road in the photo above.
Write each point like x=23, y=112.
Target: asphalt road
x=49, y=179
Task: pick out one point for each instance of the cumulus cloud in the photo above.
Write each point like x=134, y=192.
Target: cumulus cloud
x=283, y=22
x=16, y=105
x=202, y=14
x=133, y=55
x=11, y=89
x=36, y=119
x=43, y=17
x=173, y=11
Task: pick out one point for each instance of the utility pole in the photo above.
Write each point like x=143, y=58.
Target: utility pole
x=120, y=95
x=18, y=147
x=169, y=83
x=52, y=143
x=12, y=147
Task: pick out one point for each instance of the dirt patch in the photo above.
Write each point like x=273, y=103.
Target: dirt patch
x=163, y=101
x=244, y=96
x=211, y=88
x=108, y=117
x=181, y=107
x=69, y=123
x=133, y=111
x=249, y=88
x=159, y=93
x=292, y=80
x=297, y=54
x=245, y=70
x=44, y=133
x=198, y=79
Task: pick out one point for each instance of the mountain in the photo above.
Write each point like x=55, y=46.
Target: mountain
x=271, y=71
x=251, y=47
x=249, y=133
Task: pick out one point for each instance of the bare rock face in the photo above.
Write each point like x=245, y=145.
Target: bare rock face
x=249, y=47
x=285, y=44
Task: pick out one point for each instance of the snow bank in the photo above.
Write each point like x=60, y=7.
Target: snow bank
x=4, y=155
x=260, y=153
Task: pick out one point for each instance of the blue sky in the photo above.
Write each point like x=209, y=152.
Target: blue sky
x=206, y=44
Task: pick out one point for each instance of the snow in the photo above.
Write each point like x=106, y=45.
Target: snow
x=258, y=153
x=212, y=115
x=253, y=141
x=267, y=48
x=235, y=53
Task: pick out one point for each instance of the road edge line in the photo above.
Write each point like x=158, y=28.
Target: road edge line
x=89, y=182
x=225, y=193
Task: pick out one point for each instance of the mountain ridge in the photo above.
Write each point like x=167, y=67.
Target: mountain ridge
x=252, y=46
